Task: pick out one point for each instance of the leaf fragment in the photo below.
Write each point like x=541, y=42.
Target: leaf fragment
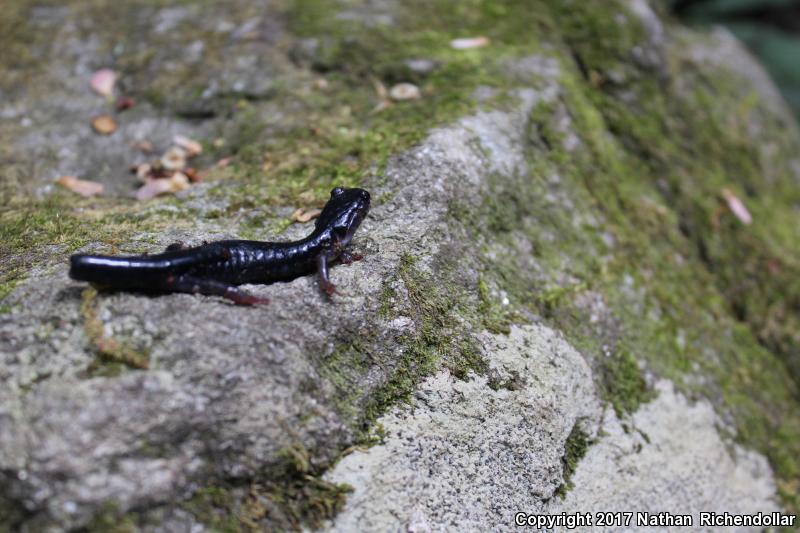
x=404, y=91
x=737, y=207
x=191, y=146
x=174, y=158
x=104, y=124
x=103, y=81
x=157, y=187
x=469, y=42
x=302, y=215
x=85, y=188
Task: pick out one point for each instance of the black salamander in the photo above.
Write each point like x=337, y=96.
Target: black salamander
x=216, y=268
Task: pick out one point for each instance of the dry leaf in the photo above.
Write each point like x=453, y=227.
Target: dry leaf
x=469, y=42
x=104, y=124
x=301, y=215
x=179, y=181
x=737, y=207
x=124, y=102
x=380, y=88
x=103, y=82
x=143, y=171
x=144, y=146
x=224, y=162
x=156, y=187
x=193, y=175
x=174, y=159
x=85, y=188
x=404, y=91
x=191, y=146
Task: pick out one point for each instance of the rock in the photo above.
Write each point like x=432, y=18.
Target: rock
x=556, y=307
x=421, y=65
x=466, y=454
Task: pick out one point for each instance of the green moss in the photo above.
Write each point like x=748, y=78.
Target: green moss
x=36, y=231
x=634, y=252
x=575, y=448
x=439, y=340
x=109, y=518
x=213, y=506
x=11, y=514
x=682, y=284
x=622, y=383
x=344, y=369
x=112, y=354
x=345, y=138
x=495, y=318
x=291, y=497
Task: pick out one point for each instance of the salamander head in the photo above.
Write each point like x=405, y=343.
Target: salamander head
x=342, y=215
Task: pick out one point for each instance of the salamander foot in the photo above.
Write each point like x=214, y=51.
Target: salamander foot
x=211, y=287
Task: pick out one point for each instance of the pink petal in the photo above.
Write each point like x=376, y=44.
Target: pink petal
x=469, y=42
x=103, y=82
x=737, y=207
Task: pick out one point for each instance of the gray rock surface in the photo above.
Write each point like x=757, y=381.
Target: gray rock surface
x=670, y=457
x=230, y=387
x=464, y=454
x=46, y=121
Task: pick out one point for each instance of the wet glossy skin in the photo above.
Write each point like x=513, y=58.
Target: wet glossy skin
x=215, y=268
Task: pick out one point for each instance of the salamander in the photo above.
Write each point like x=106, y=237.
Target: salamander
x=216, y=268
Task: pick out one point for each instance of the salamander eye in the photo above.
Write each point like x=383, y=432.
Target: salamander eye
x=336, y=191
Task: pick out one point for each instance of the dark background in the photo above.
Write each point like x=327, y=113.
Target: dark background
x=770, y=28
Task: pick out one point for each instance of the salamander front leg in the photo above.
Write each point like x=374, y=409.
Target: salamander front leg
x=324, y=281
x=211, y=287
x=346, y=257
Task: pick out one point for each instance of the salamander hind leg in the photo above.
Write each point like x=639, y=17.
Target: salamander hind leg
x=212, y=287
x=176, y=246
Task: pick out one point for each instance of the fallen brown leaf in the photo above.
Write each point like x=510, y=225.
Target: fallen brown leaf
x=104, y=124
x=193, y=175
x=85, y=188
x=143, y=171
x=144, y=146
x=301, y=215
x=174, y=158
x=124, y=102
x=156, y=187
x=191, y=146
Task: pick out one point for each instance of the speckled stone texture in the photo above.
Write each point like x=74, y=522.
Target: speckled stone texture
x=464, y=454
